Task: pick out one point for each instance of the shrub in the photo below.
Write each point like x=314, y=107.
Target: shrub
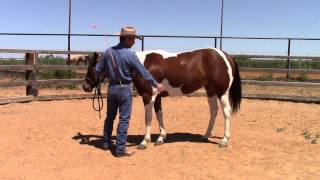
x=58, y=74
x=51, y=60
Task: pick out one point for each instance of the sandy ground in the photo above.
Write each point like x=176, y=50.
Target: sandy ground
x=62, y=140
x=20, y=91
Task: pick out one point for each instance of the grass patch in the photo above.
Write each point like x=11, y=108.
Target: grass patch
x=314, y=139
x=58, y=74
x=306, y=135
x=281, y=129
x=12, y=61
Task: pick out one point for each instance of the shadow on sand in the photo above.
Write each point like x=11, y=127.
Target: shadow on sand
x=134, y=140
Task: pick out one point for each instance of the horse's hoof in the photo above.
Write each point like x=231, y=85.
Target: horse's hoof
x=223, y=145
x=158, y=143
x=141, y=147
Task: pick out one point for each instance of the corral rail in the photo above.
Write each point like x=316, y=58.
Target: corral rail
x=32, y=67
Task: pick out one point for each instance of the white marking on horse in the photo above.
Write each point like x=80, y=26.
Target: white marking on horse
x=224, y=101
x=172, y=91
x=162, y=135
x=148, y=119
x=228, y=66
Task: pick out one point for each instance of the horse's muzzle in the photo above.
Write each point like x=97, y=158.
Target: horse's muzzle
x=86, y=87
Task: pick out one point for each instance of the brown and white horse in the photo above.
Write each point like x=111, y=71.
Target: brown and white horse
x=184, y=73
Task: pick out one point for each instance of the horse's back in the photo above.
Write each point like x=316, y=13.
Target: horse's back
x=76, y=56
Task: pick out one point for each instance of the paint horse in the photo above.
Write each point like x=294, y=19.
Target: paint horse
x=77, y=58
x=184, y=73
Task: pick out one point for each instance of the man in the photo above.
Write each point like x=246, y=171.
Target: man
x=118, y=64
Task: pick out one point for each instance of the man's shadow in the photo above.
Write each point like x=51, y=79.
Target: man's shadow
x=134, y=140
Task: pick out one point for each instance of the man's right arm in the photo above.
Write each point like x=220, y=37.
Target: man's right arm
x=146, y=75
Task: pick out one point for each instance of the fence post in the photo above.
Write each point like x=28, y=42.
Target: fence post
x=31, y=75
x=288, y=60
x=142, y=43
x=215, y=42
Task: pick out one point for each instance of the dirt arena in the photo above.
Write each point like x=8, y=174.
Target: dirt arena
x=62, y=140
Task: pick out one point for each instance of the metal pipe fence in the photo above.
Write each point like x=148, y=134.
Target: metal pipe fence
x=215, y=39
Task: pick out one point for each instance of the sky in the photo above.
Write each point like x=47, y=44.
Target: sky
x=242, y=18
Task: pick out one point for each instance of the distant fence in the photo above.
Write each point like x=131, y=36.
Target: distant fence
x=215, y=39
x=32, y=67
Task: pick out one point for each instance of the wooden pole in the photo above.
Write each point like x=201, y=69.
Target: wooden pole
x=288, y=60
x=31, y=75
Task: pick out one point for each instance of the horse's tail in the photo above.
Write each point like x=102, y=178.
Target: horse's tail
x=235, y=90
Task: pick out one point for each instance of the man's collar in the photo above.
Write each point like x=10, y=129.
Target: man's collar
x=121, y=45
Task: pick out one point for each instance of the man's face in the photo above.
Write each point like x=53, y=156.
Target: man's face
x=130, y=41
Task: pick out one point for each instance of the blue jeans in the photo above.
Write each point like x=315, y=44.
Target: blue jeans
x=118, y=97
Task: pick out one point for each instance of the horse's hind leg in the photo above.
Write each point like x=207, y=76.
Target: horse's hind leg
x=213, y=106
x=158, y=111
x=225, y=105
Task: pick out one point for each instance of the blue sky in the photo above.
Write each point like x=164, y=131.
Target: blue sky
x=249, y=18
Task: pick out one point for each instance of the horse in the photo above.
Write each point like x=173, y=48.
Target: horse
x=184, y=73
x=77, y=58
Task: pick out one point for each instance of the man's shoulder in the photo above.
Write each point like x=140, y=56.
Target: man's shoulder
x=129, y=51
x=130, y=54
x=107, y=51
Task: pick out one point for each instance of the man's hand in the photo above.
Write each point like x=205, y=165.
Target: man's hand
x=161, y=87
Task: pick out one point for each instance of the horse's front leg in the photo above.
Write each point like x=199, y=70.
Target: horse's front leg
x=213, y=106
x=158, y=111
x=148, y=119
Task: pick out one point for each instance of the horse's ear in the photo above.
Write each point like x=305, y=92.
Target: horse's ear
x=93, y=56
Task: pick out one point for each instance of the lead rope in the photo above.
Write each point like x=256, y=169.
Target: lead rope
x=98, y=96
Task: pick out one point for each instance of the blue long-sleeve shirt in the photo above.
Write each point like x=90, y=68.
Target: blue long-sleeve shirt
x=127, y=62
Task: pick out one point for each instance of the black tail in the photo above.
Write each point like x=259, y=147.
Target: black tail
x=235, y=90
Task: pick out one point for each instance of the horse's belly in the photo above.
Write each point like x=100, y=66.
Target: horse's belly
x=172, y=91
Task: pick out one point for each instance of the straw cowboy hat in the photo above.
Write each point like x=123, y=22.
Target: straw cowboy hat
x=128, y=31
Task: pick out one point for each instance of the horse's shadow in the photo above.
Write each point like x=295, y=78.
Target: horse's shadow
x=133, y=140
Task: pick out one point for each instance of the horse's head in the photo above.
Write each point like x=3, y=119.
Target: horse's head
x=91, y=79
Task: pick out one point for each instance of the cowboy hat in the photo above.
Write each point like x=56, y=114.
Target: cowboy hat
x=128, y=31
